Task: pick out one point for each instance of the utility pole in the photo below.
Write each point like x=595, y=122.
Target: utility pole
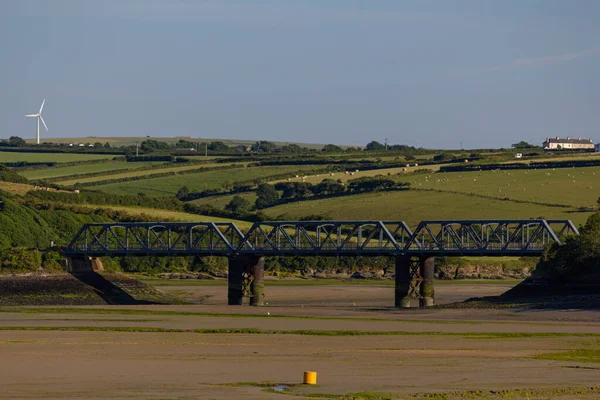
x=386, y=144
x=137, y=147
x=205, y=149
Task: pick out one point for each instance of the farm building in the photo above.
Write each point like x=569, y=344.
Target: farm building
x=568, y=143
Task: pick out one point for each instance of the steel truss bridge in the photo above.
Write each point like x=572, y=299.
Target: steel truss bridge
x=322, y=238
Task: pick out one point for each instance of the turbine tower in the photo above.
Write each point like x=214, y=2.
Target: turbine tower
x=39, y=117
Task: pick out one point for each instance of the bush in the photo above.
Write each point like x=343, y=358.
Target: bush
x=21, y=259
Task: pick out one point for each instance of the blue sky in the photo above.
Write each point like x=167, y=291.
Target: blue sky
x=424, y=73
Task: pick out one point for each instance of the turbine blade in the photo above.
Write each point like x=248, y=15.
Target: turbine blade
x=31, y=115
x=42, y=106
x=43, y=122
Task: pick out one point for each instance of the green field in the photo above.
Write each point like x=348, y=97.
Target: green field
x=8, y=156
x=119, y=175
x=56, y=172
x=575, y=187
x=168, y=186
x=415, y=206
x=397, y=173
x=163, y=215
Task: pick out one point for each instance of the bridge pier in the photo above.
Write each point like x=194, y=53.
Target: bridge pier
x=414, y=280
x=246, y=280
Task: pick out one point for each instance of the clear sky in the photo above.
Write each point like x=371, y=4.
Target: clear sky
x=424, y=73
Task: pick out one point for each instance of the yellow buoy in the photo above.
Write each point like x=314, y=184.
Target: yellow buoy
x=310, y=378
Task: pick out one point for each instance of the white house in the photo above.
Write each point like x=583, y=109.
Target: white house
x=568, y=143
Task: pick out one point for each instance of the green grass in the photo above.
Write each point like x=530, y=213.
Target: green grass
x=168, y=313
x=83, y=169
x=575, y=187
x=533, y=393
x=592, y=356
x=299, y=332
x=128, y=174
x=161, y=215
x=168, y=186
x=415, y=206
x=8, y=156
x=394, y=172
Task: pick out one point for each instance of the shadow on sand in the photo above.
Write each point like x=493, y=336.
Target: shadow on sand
x=107, y=290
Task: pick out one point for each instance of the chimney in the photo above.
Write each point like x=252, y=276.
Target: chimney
x=568, y=137
x=579, y=138
x=558, y=138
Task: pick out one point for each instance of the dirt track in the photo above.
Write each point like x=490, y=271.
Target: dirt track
x=178, y=365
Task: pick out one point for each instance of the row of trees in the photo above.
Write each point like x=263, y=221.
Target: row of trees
x=268, y=195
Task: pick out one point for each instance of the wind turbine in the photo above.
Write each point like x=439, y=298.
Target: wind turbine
x=39, y=117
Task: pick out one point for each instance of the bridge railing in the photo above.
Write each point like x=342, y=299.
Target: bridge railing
x=475, y=237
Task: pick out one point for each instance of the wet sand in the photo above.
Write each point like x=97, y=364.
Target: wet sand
x=464, y=349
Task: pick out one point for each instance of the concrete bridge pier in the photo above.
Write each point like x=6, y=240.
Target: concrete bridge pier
x=414, y=280
x=246, y=280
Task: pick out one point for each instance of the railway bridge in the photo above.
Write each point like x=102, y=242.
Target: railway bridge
x=414, y=250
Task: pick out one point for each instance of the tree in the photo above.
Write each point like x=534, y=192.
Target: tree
x=374, y=146
x=522, y=144
x=598, y=202
x=16, y=141
x=107, y=145
x=97, y=145
x=182, y=193
x=328, y=186
x=332, y=148
x=443, y=157
x=218, y=146
x=263, y=146
x=238, y=205
x=293, y=148
x=266, y=196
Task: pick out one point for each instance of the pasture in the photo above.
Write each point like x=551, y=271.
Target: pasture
x=574, y=187
x=9, y=156
x=402, y=172
x=57, y=172
x=164, y=215
x=129, y=174
x=168, y=186
x=414, y=206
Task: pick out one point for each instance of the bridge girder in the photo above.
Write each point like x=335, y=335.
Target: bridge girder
x=325, y=238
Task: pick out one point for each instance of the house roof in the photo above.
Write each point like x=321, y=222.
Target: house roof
x=569, y=140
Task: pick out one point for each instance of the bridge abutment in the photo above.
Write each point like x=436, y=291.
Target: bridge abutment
x=246, y=280
x=83, y=264
x=414, y=280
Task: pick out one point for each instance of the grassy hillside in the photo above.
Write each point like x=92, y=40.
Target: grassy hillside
x=162, y=215
x=168, y=186
x=8, y=175
x=7, y=156
x=414, y=206
x=128, y=174
x=46, y=173
x=576, y=187
x=28, y=227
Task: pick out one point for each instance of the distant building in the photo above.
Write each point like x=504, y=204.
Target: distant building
x=597, y=148
x=568, y=143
